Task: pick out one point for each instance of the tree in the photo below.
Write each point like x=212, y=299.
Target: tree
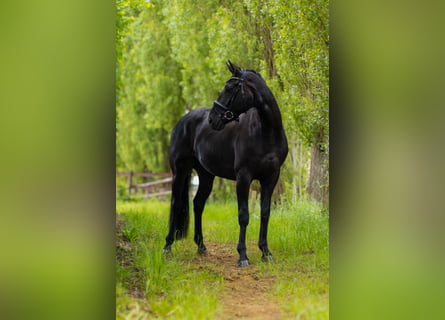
x=300, y=45
x=149, y=97
x=171, y=59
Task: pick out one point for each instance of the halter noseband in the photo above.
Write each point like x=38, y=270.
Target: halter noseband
x=225, y=113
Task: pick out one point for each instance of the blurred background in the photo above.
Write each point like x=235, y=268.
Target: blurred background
x=58, y=134
x=171, y=58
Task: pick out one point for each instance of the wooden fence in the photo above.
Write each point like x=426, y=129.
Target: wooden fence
x=155, y=188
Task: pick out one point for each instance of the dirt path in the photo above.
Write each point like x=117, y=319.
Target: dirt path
x=245, y=294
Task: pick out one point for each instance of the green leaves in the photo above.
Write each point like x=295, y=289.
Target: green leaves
x=171, y=58
x=149, y=98
x=301, y=48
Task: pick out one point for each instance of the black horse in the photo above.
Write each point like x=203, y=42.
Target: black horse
x=240, y=138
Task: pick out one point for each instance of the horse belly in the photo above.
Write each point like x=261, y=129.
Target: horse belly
x=263, y=165
x=217, y=161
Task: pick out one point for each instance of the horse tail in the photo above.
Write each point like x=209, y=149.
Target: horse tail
x=179, y=213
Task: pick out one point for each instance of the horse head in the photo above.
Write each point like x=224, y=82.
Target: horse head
x=237, y=97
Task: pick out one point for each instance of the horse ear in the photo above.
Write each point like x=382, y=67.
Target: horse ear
x=233, y=68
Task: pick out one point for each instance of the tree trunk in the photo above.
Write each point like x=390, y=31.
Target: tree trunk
x=318, y=188
x=268, y=51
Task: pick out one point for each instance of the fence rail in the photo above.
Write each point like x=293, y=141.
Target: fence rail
x=156, y=188
x=144, y=174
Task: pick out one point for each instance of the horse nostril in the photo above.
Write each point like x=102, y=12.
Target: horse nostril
x=210, y=120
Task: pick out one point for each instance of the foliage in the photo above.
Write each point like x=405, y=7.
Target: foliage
x=149, y=101
x=171, y=59
x=301, y=38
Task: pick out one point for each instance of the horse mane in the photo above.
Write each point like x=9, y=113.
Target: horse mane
x=257, y=73
x=266, y=99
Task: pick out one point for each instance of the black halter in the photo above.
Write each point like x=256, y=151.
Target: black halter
x=225, y=113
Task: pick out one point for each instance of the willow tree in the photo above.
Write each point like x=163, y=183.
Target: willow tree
x=149, y=98
x=295, y=35
x=171, y=58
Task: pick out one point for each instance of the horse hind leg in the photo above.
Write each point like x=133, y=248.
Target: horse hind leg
x=179, y=207
x=204, y=190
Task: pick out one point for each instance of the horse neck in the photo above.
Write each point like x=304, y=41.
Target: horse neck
x=269, y=112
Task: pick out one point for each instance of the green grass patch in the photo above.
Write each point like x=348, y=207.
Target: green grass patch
x=299, y=238
x=151, y=285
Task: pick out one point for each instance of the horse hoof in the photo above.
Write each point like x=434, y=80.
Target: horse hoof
x=268, y=258
x=243, y=263
x=167, y=250
x=203, y=251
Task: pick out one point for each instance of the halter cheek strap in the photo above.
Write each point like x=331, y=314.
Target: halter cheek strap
x=225, y=113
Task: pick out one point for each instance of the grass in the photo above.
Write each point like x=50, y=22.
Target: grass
x=299, y=236
x=152, y=286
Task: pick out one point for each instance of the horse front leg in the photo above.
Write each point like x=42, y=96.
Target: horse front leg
x=267, y=187
x=242, y=192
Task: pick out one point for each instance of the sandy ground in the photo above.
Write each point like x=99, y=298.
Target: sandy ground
x=245, y=294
